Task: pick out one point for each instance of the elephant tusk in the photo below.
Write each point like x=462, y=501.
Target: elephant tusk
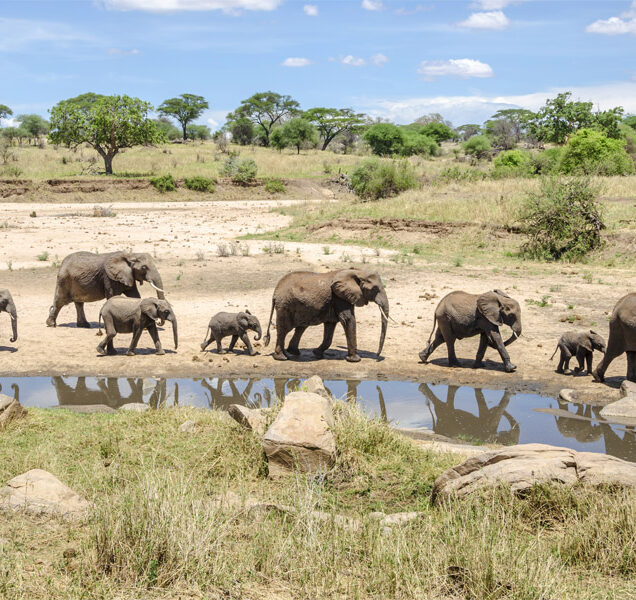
x=515, y=334
x=385, y=315
x=13, y=318
x=157, y=288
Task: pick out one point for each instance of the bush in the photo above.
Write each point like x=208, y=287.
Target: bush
x=241, y=172
x=589, y=152
x=477, y=146
x=164, y=183
x=200, y=184
x=417, y=143
x=562, y=220
x=373, y=179
x=546, y=162
x=513, y=163
x=275, y=186
x=385, y=139
x=458, y=174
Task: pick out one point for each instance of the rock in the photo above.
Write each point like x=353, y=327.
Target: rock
x=628, y=388
x=300, y=437
x=568, y=395
x=135, y=407
x=400, y=518
x=622, y=411
x=248, y=417
x=525, y=465
x=314, y=385
x=188, y=426
x=39, y=492
x=442, y=447
x=88, y=409
x=10, y=410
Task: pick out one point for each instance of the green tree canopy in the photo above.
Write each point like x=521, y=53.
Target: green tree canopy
x=590, y=152
x=385, y=139
x=184, y=109
x=242, y=131
x=433, y=118
x=107, y=123
x=299, y=132
x=560, y=117
x=265, y=110
x=167, y=128
x=467, y=131
x=331, y=122
x=630, y=121
x=199, y=132
x=478, y=146
x=34, y=125
x=5, y=111
x=440, y=132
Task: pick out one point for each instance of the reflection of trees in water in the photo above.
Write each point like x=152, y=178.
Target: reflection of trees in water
x=455, y=422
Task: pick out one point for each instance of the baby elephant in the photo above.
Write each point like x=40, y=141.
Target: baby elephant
x=580, y=344
x=131, y=315
x=235, y=324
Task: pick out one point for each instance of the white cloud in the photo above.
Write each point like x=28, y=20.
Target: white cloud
x=17, y=34
x=486, y=20
x=379, y=59
x=296, y=62
x=455, y=67
x=353, y=61
x=214, y=118
x=311, y=10
x=626, y=23
x=372, y=4
x=10, y=122
x=191, y=5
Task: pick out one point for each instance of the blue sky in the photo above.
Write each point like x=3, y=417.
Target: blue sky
x=395, y=59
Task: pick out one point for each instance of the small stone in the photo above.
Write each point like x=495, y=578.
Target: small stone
x=399, y=518
x=135, y=407
x=628, y=388
x=250, y=418
x=188, y=427
x=568, y=395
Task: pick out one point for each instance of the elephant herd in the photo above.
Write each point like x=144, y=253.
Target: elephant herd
x=303, y=299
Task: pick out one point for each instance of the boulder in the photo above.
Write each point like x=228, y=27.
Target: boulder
x=188, y=426
x=525, y=465
x=300, y=437
x=568, y=395
x=39, y=492
x=622, y=411
x=314, y=385
x=628, y=388
x=135, y=407
x=250, y=418
x=10, y=410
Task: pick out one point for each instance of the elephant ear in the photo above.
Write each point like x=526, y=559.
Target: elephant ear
x=586, y=343
x=489, y=306
x=118, y=269
x=149, y=308
x=347, y=286
x=243, y=320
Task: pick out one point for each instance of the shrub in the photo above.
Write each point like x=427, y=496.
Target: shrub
x=458, y=174
x=513, y=163
x=274, y=186
x=477, y=146
x=199, y=184
x=562, y=220
x=417, y=143
x=241, y=172
x=373, y=179
x=385, y=139
x=546, y=162
x=589, y=152
x=164, y=183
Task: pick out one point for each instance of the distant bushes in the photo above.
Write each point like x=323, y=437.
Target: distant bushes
x=164, y=183
x=200, y=184
x=274, y=186
x=589, y=152
x=373, y=178
x=478, y=146
x=240, y=171
x=458, y=174
x=386, y=139
x=513, y=163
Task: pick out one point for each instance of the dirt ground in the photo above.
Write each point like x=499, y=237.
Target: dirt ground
x=184, y=238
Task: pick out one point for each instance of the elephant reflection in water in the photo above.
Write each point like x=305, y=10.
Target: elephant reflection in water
x=16, y=391
x=582, y=429
x=109, y=393
x=453, y=422
x=621, y=447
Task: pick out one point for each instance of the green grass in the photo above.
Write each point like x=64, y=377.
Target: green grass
x=156, y=532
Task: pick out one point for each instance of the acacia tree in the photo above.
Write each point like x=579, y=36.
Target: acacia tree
x=107, y=123
x=5, y=111
x=185, y=108
x=265, y=110
x=467, y=131
x=34, y=125
x=331, y=122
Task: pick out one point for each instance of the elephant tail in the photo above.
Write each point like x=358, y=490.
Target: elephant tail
x=430, y=337
x=271, y=314
x=555, y=351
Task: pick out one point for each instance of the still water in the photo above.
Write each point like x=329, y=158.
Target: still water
x=467, y=413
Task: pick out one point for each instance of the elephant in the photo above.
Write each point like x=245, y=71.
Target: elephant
x=584, y=424
x=235, y=324
x=580, y=344
x=88, y=277
x=622, y=338
x=7, y=304
x=128, y=315
x=302, y=299
x=460, y=315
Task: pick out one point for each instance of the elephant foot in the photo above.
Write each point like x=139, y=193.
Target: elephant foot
x=84, y=325
x=318, y=353
x=161, y=352
x=293, y=351
x=253, y=353
x=279, y=356
x=101, y=351
x=203, y=347
x=221, y=352
x=130, y=353
x=353, y=358
x=50, y=322
x=597, y=376
x=453, y=363
x=510, y=368
x=478, y=364
x=424, y=355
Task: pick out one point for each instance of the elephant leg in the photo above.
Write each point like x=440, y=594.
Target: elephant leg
x=614, y=350
x=631, y=365
x=206, y=342
x=564, y=360
x=479, y=359
x=438, y=340
x=219, y=345
x=81, y=317
x=505, y=357
x=348, y=320
x=154, y=334
x=449, y=338
x=589, y=358
x=327, y=338
x=233, y=342
x=283, y=327
x=134, y=342
x=581, y=356
x=295, y=340
x=246, y=340
x=60, y=300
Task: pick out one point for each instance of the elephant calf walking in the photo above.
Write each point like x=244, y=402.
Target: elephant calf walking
x=460, y=315
x=7, y=304
x=580, y=344
x=224, y=324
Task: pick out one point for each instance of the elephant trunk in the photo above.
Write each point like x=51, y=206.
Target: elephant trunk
x=516, y=332
x=171, y=317
x=259, y=333
x=154, y=279
x=382, y=301
x=14, y=321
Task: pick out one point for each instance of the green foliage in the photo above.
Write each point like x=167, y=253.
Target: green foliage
x=164, y=183
x=5, y=111
x=200, y=184
x=477, y=146
x=385, y=139
x=418, y=143
x=277, y=139
x=373, y=178
x=467, y=131
x=546, y=162
x=563, y=220
x=240, y=171
x=198, y=132
x=167, y=129
x=458, y=174
x=331, y=122
x=185, y=108
x=274, y=186
x=242, y=131
x=299, y=133
x=630, y=121
x=589, y=152
x=34, y=126
x=513, y=163
x=440, y=132
x=107, y=123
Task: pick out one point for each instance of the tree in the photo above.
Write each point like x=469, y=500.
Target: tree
x=199, y=132
x=433, y=118
x=34, y=125
x=331, y=122
x=590, y=152
x=299, y=132
x=385, y=139
x=502, y=133
x=467, y=131
x=277, y=139
x=418, y=143
x=107, y=123
x=5, y=111
x=516, y=120
x=242, y=131
x=478, y=146
x=167, y=128
x=609, y=121
x=184, y=109
x=265, y=110
x=560, y=117
x=630, y=121
x=438, y=131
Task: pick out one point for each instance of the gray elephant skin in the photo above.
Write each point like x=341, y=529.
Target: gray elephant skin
x=89, y=277
x=622, y=338
x=302, y=299
x=127, y=315
x=580, y=344
x=461, y=315
x=8, y=305
x=237, y=325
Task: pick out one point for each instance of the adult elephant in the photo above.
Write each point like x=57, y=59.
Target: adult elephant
x=89, y=277
x=622, y=338
x=460, y=315
x=7, y=305
x=302, y=299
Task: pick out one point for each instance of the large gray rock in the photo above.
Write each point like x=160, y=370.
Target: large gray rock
x=39, y=492
x=300, y=437
x=622, y=411
x=528, y=464
x=10, y=410
x=628, y=388
x=248, y=417
x=314, y=385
